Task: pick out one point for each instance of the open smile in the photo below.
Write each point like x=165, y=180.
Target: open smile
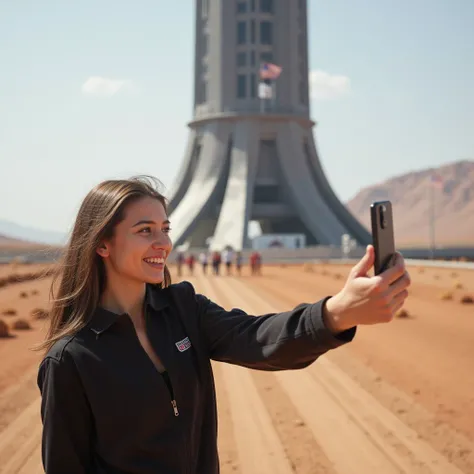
x=155, y=262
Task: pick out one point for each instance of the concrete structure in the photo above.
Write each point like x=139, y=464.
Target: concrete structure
x=243, y=163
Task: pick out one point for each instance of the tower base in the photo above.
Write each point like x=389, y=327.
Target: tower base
x=243, y=168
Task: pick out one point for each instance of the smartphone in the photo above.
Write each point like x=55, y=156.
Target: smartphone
x=382, y=235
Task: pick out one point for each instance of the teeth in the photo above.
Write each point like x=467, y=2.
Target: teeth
x=155, y=260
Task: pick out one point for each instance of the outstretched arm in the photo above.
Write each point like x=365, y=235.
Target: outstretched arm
x=288, y=340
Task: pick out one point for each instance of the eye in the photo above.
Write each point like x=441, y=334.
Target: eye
x=147, y=229
x=166, y=230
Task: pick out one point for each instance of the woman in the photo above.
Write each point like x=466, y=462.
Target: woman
x=126, y=383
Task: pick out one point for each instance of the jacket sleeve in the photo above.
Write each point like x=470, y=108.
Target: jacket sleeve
x=66, y=417
x=290, y=340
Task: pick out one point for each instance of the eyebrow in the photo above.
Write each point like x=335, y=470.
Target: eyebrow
x=149, y=222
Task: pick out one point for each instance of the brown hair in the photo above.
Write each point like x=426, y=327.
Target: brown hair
x=80, y=274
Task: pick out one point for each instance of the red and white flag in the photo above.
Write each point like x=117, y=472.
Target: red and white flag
x=270, y=71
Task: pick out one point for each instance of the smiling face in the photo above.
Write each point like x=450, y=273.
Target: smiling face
x=140, y=244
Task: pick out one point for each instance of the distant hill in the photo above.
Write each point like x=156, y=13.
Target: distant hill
x=19, y=232
x=9, y=243
x=409, y=194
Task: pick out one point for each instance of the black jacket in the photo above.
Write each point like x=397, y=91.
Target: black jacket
x=106, y=409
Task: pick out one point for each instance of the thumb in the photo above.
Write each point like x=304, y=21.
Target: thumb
x=365, y=263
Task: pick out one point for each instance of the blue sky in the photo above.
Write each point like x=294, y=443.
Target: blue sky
x=405, y=99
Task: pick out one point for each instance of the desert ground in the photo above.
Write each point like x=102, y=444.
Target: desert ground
x=398, y=399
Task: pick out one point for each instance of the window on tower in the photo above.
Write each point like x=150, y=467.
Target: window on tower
x=252, y=5
x=242, y=7
x=252, y=31
x=266, y=32
x=266, y=6
x=266, y=57
x=241, y=86
x=253, y=86
x=241, y=32
x=241, y=59
x=205, y=8
x=203, y=92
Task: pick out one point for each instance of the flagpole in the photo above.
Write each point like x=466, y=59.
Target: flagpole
x=432, y=221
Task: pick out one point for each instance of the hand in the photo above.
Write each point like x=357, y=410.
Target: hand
x=368, y=300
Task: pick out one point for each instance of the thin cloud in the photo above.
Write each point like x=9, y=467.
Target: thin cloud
x=326, y=86
x=97, y=86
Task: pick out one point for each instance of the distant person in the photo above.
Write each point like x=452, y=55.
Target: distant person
x=238, y=262
x=190, y=261
x=258, y=263
x=126, y=382
x=179, y=263
x=227, y=257
x=203, y=260
x=253, y=263
x=216, y=262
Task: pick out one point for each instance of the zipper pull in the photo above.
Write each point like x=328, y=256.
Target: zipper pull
x=175, y=407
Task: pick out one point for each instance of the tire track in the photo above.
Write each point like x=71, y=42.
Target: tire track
x=228, y=455
x=372, y=437
x=33, y=465
x=259, y=448
x=16, y=398
x=442, y=416
x=305, y=455
x=21, y=439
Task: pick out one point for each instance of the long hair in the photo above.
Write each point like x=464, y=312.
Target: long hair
x=80, y=274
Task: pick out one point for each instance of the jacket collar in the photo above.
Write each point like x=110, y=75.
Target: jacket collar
x=102, y=319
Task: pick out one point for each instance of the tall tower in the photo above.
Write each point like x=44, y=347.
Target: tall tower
x=247, y=162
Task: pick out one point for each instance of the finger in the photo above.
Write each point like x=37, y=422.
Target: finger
x=398, y=307
x=365, y=263
x=401, y=284
x=393, y=273
x=398, y=301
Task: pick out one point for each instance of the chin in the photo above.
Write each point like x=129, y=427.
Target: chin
x=154, y=280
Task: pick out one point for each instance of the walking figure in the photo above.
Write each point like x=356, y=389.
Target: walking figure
x=238, y=262
x=190, y=261
x=216, y=262
x=179, y=263
x=204, y=261
x=228, y=257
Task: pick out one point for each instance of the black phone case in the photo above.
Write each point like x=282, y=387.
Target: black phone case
x=382, y=237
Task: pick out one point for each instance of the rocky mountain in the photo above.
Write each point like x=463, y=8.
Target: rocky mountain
x=410, y=194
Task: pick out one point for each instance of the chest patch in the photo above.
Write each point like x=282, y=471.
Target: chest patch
x=183, y=345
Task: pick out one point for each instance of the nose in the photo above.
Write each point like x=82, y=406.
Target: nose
x=162, y=242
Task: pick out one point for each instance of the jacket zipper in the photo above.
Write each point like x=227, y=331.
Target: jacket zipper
x=167, y=379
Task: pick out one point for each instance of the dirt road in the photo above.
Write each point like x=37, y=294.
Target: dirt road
x=398, y=399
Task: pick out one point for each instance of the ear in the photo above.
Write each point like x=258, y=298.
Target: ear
x=102, y=250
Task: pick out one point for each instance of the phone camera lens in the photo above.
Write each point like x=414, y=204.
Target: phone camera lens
x=383, y=221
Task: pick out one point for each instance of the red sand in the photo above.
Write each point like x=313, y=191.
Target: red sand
x=400, y=398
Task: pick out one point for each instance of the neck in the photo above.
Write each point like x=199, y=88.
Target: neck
x=124, y=296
